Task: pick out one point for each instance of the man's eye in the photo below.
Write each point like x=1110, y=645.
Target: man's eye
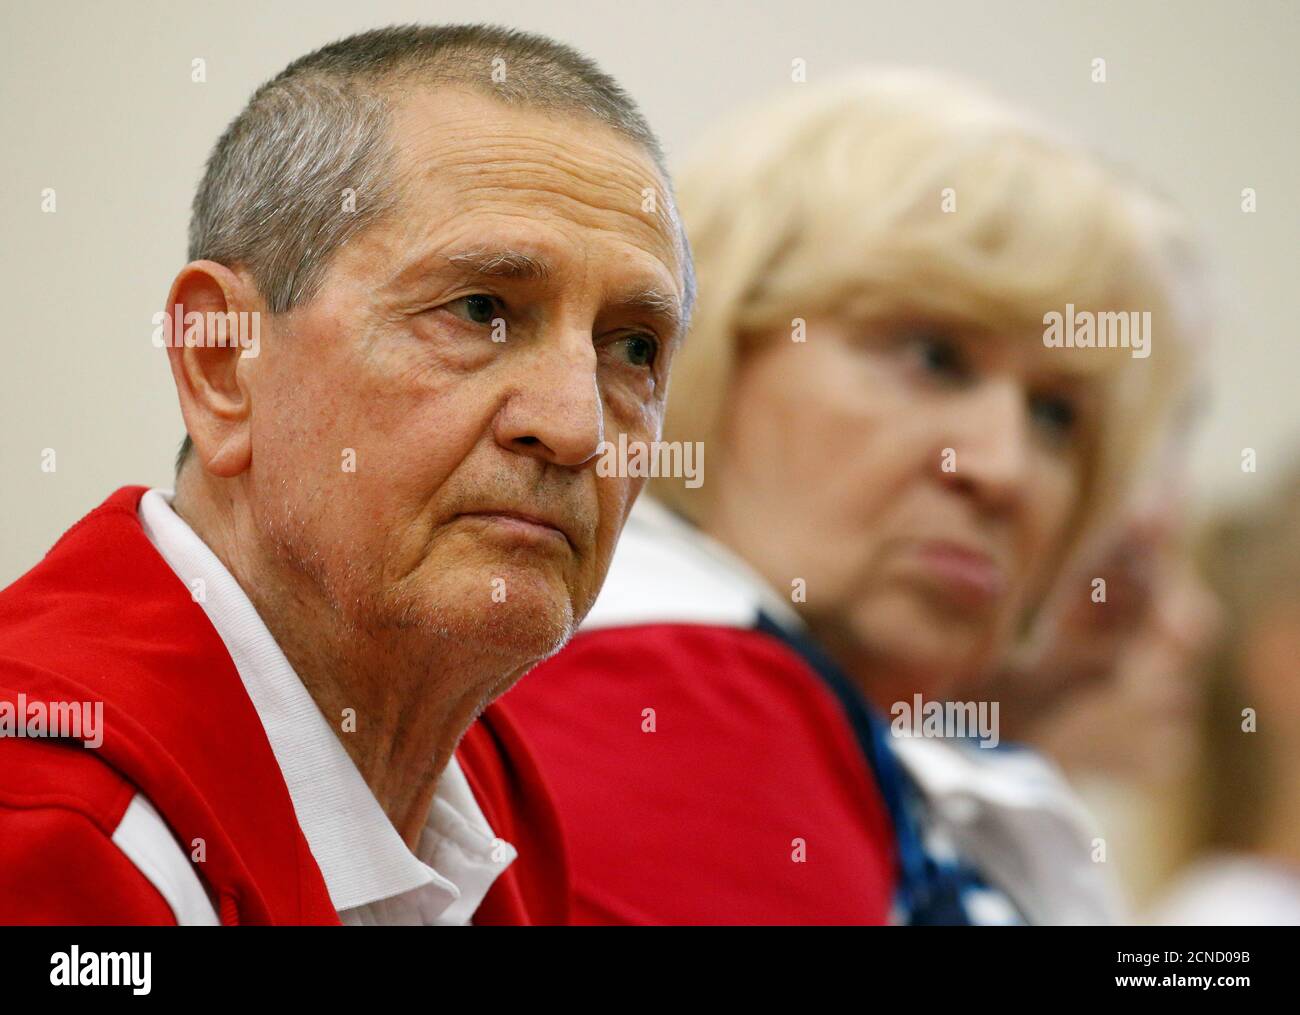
x=641, y=350
x=1056, y=414
x=939, y=356
x=476, y=309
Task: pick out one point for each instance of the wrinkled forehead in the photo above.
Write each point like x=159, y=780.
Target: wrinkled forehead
x=461, y=156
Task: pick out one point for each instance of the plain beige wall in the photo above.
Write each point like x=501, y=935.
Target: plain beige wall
x=96, y=102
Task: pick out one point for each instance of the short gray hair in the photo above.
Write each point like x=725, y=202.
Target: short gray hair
x=271, y=194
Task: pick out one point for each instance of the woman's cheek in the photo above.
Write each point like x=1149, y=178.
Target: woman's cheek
x=1049, y=519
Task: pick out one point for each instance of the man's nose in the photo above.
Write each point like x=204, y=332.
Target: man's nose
x=990, y=460
x=555, y=411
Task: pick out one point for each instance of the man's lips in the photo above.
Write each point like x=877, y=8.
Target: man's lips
x=523, y=523
x=964, y=572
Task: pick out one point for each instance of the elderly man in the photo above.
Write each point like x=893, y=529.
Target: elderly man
x=460, y=248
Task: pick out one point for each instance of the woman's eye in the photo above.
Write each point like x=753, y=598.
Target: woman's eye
x=641, y=350
x=939, y=356
x=1054, y=413
x=476, y=309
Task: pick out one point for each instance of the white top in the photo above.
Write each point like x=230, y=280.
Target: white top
x=1011, y=813
x=1232, y=891
x=666, y=571
x=371, y=874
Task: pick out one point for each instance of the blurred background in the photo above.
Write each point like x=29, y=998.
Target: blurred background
x=99, y=105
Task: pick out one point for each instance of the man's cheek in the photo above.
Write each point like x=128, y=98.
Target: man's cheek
x=615, y=497
x=655, y=411
x=631, y=490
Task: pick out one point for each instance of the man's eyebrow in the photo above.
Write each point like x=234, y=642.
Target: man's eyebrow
x=515, y=264
x=654, y=301
x=501, y=264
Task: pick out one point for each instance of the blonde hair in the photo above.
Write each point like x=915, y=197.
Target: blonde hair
x=830, y=202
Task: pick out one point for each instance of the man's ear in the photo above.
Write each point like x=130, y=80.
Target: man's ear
x=212, y=311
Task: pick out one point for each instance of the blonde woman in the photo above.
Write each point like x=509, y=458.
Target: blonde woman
x=902, y=453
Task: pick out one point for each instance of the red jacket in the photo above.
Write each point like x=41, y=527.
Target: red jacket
x=103, y=618
x=703, y=770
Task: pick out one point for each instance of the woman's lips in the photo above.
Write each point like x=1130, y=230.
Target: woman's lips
x=965, y=574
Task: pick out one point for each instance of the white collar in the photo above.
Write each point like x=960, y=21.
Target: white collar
x=667, y=571
x=371, y=874
x=1011, y=811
